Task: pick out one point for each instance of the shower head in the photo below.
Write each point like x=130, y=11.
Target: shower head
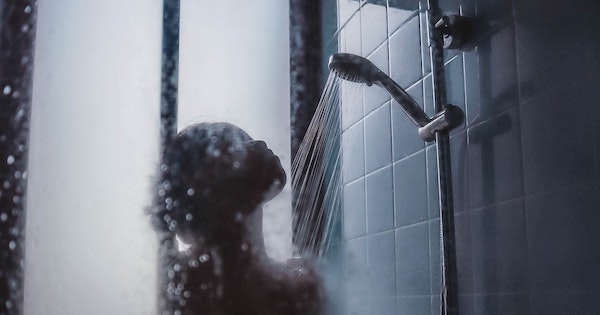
x=354, y=68
x=360, y=70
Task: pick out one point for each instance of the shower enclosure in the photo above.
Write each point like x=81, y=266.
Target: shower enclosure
x=526, y=181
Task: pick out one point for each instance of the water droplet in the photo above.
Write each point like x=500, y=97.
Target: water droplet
x=16, y=94
x=187, y=294
x=10, y=160
x=203, y=258
x=189, y=217
x=3, y=217
x=190, y=192
x=27, y=9
x=25, y=28
x=244, y=247
x=16, y=199
x=7, y=89
x=12, y=245
x=8, y=304
x=236, y=164
x=177, y=312
x=193, y=263
x=6, y=184
x=177, y=267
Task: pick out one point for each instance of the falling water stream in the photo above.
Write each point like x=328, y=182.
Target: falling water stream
x=316, y=169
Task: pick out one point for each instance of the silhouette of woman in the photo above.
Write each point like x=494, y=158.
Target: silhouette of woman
x=214, y=183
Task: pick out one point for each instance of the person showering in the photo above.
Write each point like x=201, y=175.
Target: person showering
x=210, y=194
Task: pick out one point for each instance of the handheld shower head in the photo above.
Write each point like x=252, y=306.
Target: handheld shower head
x=360, y=70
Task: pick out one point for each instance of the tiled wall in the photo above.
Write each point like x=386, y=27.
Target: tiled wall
x=526, y=164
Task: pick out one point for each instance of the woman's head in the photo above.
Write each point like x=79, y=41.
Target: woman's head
x=214, y=173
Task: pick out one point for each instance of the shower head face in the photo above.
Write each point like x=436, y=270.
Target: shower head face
x=354, y=68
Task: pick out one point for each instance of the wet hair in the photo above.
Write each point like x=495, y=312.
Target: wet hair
x=214, y=173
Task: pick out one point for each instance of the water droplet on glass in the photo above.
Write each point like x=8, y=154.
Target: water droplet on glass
x=16, y=199
x=193, y=263
x=10, y=160
x=190, y=192
x=3, y=217
x=6, y=184
x=187, y=294
x=244, y=247
x=177, y=267
x=203, y=258
x=16, y=94
x=27, y=9
x=8, y=304
x=189, y=217
x=7, y=89
x=12, y=245
x=25, y=28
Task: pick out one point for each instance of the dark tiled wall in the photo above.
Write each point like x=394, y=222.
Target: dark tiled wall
x=526, y=164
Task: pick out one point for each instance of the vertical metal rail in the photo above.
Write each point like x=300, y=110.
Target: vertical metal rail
x=449, y=285
x=17, y=36
x=170, y=71
x=167, y=301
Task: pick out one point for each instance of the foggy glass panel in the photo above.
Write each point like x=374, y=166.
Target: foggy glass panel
x=90, y=248
x=94, y=156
